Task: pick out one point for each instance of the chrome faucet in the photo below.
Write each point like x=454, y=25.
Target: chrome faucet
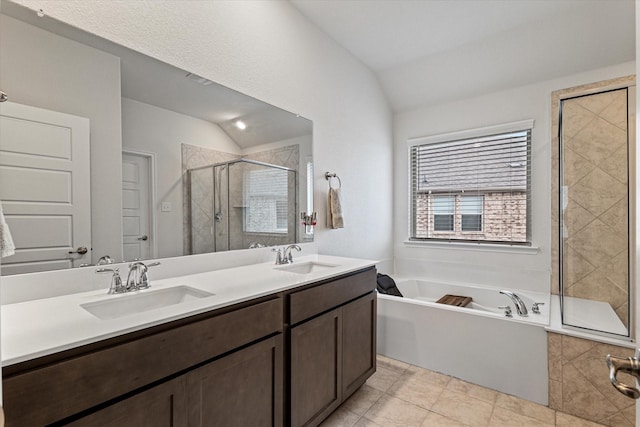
x=288, y=257
x=521, y=308
x=116, y=286
x=283, y=256
x=138, y=277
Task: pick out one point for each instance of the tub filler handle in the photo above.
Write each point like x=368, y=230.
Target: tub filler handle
x=629, y=365
x=507, y=310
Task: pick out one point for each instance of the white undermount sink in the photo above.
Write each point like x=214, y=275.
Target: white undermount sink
x=305, y=267
x=131, y=303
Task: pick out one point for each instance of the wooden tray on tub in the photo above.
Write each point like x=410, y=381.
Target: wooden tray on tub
x=457, y=300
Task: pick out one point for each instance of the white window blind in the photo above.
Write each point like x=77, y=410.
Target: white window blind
x=265, y=195
x=481, y=181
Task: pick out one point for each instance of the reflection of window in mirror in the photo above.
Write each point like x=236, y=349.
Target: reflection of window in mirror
x=265, y=195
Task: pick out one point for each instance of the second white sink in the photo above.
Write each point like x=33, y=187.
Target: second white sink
x=128, y=304
x=305, y=267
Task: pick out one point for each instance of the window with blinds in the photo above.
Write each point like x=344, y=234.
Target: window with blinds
x=474, y=188
x=265, y=198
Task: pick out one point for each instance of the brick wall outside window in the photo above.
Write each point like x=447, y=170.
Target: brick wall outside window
x=504, y=217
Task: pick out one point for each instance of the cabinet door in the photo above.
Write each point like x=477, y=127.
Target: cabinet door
x=163, y=405
x=316, y=369
x=358, y=343
x=242, y=389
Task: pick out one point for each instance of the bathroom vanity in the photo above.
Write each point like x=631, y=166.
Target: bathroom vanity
x=269, y=354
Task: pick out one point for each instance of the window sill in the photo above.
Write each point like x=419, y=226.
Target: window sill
x=479, y=247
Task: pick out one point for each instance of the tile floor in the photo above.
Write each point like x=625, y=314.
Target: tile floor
x=399, y=394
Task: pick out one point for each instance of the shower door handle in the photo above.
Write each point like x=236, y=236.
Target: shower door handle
x=629, y=365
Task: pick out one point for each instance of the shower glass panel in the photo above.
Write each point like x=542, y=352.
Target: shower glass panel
x=594, y=247
x=241, y=204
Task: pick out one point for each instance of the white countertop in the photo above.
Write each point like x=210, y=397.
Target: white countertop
x=41, y=327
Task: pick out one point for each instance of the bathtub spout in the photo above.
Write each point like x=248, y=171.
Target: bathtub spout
x=521, y=308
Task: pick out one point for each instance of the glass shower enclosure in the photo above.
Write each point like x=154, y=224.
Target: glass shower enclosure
x=241, y=204
x=596, y=135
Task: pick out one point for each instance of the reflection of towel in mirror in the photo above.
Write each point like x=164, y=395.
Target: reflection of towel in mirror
x=7, y=247
x=334, y=209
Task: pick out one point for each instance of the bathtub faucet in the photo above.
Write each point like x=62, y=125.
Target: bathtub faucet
x=521, y=309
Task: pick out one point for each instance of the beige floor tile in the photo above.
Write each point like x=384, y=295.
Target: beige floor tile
x=392, y=364
x=463, y=408
x=437, y=420
x=503, y=417
x=416, y=389
x=566, y=420
x=363, y=422
x=362, y=400
x=341, y=417
x=390, y=411
x=432, y=377
x=525, y=407
x=473, y=390
x=383, y=378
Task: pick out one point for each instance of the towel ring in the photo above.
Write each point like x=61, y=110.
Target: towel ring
x=329, y=175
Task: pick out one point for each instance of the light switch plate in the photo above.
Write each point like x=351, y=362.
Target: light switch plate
x=165, y=207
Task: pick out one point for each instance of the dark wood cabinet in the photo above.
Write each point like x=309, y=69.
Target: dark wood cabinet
x=333, y=353
x=358, y=343
x=164, y=405
x=242, y=389
x=316, y=368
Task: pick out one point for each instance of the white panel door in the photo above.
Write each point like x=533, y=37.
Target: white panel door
x=136, y=197
x=45, y=188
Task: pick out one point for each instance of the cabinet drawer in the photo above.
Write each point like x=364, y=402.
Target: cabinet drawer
x=56, y=391
x=312, y=301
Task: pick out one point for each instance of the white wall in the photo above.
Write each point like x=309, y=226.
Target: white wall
x=41, y=69
x=268, y=50
x=515, y=269
x=156, y=130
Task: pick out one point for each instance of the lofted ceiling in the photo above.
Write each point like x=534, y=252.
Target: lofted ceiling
x=426, y=52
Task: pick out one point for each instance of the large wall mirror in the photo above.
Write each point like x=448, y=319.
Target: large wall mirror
x=106, y=152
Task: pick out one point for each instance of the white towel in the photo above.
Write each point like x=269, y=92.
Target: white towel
x=335, y=219
x=7, y=248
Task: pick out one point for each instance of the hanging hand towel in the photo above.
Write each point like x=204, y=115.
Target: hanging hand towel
x=334, y=209
x=7, y=248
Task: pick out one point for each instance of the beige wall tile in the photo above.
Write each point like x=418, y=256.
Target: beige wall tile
x=573, y=347
x=581, y=398
x=555, y=394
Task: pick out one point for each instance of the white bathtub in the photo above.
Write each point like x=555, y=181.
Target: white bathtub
x=477, y=343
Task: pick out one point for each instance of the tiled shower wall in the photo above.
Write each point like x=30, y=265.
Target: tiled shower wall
x=579, y=381
x=596, y=243
x=595, y=170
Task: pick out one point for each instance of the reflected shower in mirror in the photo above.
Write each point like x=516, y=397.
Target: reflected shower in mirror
x=593, y=226
x=240, y=204
x=147, y=123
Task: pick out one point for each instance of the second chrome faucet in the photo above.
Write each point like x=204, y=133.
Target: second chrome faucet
x=521, y=308
x=284, y=256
